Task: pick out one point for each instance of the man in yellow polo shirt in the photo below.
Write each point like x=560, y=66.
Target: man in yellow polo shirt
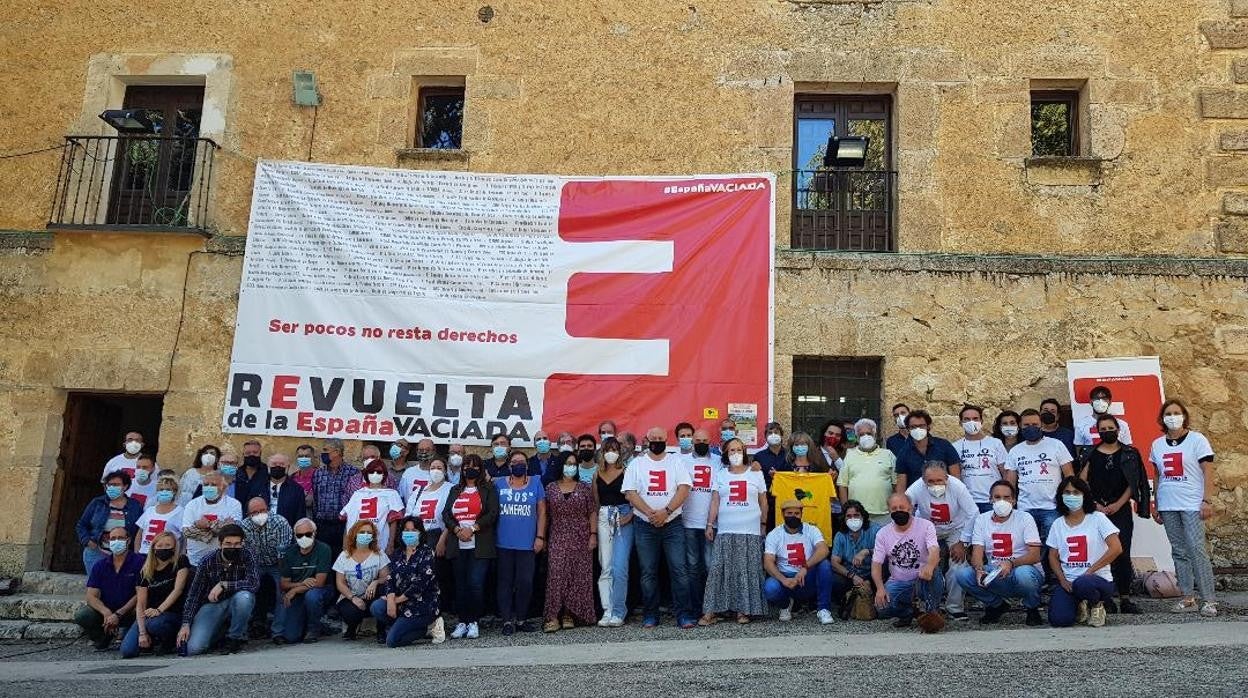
x=869, y=474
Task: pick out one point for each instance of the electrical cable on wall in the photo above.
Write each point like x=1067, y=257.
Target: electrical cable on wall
x=312, y=138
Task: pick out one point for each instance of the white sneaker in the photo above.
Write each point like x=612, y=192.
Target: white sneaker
x=786, y=613
x=615, y=622
x=825, y=617
x=473, y=631
x=1209, y=609
x=437, y=630
x=460, y=630
x=606, y=621
x=1096, y=617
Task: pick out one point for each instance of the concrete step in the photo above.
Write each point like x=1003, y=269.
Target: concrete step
x=28, y=630
x=53, y=583
x=40, y=607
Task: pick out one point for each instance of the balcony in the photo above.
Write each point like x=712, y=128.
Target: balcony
x=844, y=210
x=128, y=183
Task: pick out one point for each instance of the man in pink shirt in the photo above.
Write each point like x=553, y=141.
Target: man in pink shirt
x=912, y=552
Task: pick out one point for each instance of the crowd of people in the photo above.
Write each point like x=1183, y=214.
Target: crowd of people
x=236, y=549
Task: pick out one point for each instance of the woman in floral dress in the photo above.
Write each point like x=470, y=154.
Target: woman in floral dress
x=573, y=535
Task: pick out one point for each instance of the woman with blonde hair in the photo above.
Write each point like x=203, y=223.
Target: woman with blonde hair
x=158, y=614
x=361, y=568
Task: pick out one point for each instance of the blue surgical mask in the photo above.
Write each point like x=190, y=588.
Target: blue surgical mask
x=499, y=451
x=586, y=474
x=1073, y=501
x=543, y=446
x=113, y=491
x=304, y=462
x=229, y=470
x=569, y=470
x=800, y=449
x=411, y=537
x=117, y=547
x=164, y=496
x=211, y=492
x=686, y=443
x=395, y=451
x=363, y=540
x=727, y=434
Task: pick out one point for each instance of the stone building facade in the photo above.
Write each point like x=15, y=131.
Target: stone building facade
x=992, y=266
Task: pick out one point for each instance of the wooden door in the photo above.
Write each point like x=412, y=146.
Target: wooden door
x=88, y=440
x=153, y=174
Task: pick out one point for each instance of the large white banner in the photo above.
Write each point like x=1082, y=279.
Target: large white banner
x=379, y=303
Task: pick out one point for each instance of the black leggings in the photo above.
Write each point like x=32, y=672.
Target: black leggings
x=515, y=583
x=1121, y=567
x=351, y=615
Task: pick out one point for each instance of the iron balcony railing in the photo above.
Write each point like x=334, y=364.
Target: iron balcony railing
x=133, y=182
x=844, y=210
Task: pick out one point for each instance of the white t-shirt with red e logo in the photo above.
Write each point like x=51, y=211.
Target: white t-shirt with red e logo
x=739, y=510
x=1005, y=540
x=657, y=481
x=1180, y=476
x=380, y=506
x=792, y=550
x=1079, y=547
x=702, y=473
x=152, y=524
x=428, y=507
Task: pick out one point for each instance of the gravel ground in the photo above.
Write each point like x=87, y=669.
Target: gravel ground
x=1172, y=672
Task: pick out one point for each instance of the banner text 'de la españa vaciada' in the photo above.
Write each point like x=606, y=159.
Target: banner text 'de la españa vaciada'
x=385, y=304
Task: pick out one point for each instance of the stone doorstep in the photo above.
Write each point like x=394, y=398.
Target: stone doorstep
x=39, y=607
x=26, y=630
x=53, y=583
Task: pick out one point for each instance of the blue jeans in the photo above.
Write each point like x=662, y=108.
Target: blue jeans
x=469, y=584
x=1092, y=588
x=274, y=575
x=670, y=538
x=1044, y=519
x=820, y=590
x=901, y=595
x=162, y=629
x=90, y=557
x=304, y=613
x=1186, y=532
x=210, y=619
x=613, y=555
x=1023, y=582
x=401, y=631
x=697, y=563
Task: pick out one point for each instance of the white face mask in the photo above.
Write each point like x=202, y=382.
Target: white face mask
x=1002, y=508
x=1009, y=430
x=774, y=439
x=305, y=543
x=854, y=524
x=901, y=420
x=208, y=460
x=972, y=427
x=133, y=447
x=436, y=476
x=936, y=491
x=376, y=478
x=735, y=459
x=260, y=519
x=918, y=433
x=566, y=448
x=456, y=460
x=611, y=457
x=866, y=442
x=1100, y=406
x=1173, y=421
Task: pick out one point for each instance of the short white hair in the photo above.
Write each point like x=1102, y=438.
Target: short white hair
x=864, y=422
x=305, y=520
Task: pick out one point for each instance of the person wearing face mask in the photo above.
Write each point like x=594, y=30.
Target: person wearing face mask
x=103, y=514
x=306, y=463
x=1035, y=466
x=227, y=468
x=268, y=536
x=204, y=516
x=1183, y=460
x=1050, y=418
x=521, y=537
x=205, y=460
x=833, y=450
x=411, y=607
x=361, y=571
x=804, y=456
x=470, y=515
x=159, y=594
x=143, y=488
x=163, y=515
x=499, y=466
x=586, y=451
x=1115, y=473
x=329, y=487
x=455, y=463
x=223, y=589
x=947, y=503
x=607, y=430
x=1082, y=545
x=727, y=432
x=774, y=457
x=1086, y=432
x=125, y=461
x=573, y=533
x=1005, y=558
x=306, y=568
x=414, y=477
x=851, y=555
x=657, y=485
x=628, y=446
x=697, y=507
x=908, y=545
x=545, y=461
x=896, y=442
x=982, y=456
x=869, y=473
x=1005, y=428
x=567, y=444
x=684, y=438
x=922, y=448
x=615, y=535
x=374, y=502
x=428, y=506
x=790, y=554
x=110, y=591
x=252, y=479
x=286, y=499
x=400, y=455
x=369, y=453
x=735, y=526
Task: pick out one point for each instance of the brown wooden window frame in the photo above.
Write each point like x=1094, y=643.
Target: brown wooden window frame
x=1069, y=97
x=437, y=91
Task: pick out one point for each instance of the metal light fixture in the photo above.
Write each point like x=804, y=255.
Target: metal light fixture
x=847, y=151
x=128, y=120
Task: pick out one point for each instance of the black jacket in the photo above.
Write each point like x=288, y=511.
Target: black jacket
x=291, y=504
x=1132, y=465
x=485, y=547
